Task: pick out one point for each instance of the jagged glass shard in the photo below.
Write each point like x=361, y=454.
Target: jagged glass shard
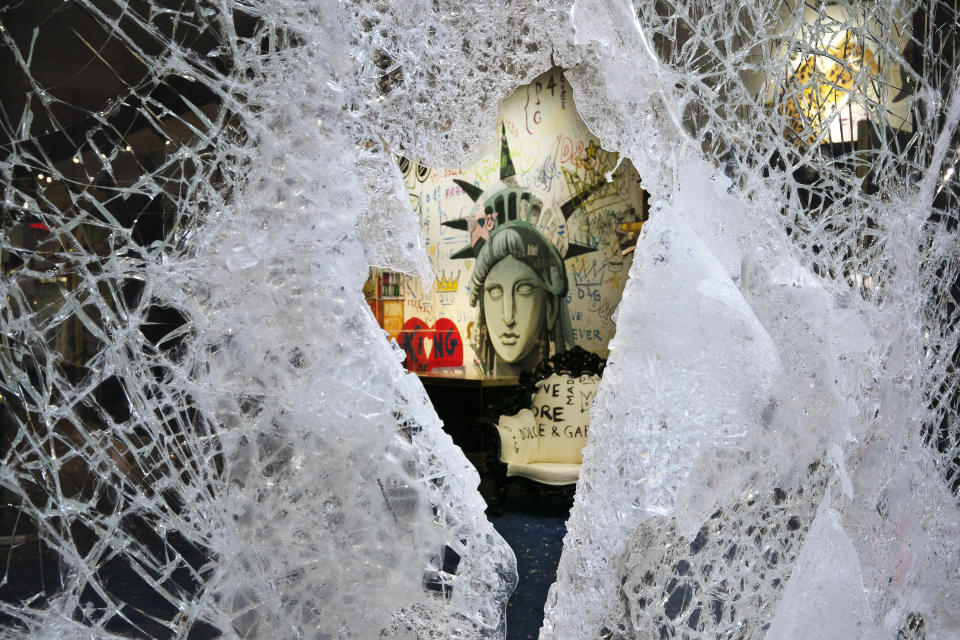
x=205, y=433
x=726, y=577
x=792, y=306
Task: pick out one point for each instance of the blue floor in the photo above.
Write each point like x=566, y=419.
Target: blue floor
x=537, y=541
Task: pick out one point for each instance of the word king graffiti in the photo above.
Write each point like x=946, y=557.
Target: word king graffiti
x=431, y=347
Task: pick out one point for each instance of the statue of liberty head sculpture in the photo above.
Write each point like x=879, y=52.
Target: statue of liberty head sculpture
x=519, y=285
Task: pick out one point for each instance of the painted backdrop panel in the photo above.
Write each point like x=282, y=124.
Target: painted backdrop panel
x=534, y=222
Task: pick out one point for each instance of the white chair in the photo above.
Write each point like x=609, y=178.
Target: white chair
x=542, y=442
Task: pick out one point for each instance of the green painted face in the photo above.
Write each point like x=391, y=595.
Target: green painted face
x=514, y=308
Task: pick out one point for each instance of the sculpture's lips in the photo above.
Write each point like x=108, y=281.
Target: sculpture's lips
x=509, y=338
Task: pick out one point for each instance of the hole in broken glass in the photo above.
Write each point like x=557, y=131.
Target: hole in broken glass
x=576, y=209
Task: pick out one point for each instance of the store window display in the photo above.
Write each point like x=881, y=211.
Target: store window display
x=526, y=243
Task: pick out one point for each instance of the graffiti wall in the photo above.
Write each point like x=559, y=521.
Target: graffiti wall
x=526, y=244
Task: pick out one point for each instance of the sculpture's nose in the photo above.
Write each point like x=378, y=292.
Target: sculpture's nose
x=509, y=310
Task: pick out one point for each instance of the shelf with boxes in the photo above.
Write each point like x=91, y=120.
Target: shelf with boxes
x=384, y=293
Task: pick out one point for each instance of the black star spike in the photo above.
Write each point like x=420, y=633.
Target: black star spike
x=506, y=164
x=459, y=223
x=568, y=207
x=575, y=249
x=470, y=189
x=465, y=252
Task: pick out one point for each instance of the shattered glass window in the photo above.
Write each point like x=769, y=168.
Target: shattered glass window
x=204, y=433
x=774, y=446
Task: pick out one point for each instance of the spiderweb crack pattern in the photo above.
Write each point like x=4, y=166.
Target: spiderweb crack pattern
x=204, y=433
x=792, y=302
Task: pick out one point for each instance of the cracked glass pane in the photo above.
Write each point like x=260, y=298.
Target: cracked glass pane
x=773, y=449
x=204, y=433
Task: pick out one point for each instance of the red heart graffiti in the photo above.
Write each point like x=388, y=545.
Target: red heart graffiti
x=429, y=347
